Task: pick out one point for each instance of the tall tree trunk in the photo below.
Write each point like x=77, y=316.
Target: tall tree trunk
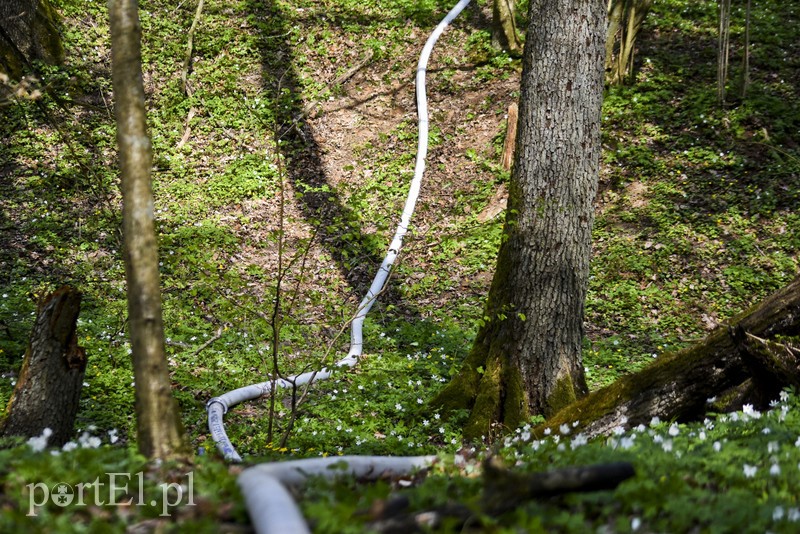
x=527, y=355
x=28, y=32
x=49, y=386
x=160, y=433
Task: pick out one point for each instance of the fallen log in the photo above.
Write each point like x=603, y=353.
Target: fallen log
x=678, y=386
x=505, y=489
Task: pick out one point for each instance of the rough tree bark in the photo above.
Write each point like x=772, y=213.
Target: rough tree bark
x=159, y=429
x=28, y=32
x=527, y=355
x=49, y=386
x=744, y=354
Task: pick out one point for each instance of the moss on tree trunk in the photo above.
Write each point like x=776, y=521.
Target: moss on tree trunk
x=526, y=358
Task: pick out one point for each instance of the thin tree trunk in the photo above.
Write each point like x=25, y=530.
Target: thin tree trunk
x=679, y=386
x=160, y=434
x=746, y=55
x=723, y=48
x=48, y=389
x=527, y=355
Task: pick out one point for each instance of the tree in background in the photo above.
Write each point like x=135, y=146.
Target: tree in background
x=625, y=18
x=159, y=430
x=504, y=27
x=526, y=358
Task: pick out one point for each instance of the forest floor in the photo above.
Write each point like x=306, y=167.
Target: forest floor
x=280, y=173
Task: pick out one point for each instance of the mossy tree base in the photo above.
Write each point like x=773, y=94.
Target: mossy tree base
x=526, y=359
x=750, y=357
x=490, y=387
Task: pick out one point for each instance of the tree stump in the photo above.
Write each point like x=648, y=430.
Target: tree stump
x=511, y=137
x=49, y=385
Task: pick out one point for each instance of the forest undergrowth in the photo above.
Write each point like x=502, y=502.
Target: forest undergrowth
x=312, y=103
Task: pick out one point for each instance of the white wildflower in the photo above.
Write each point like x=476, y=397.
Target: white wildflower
x=750, y=471
x=748, y=410
x=578, y=440
x=39, y=443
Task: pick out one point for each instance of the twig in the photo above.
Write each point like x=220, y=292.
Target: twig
x=187, y=60
x=211, y=340
x=349, y=73
x=275, y=319
x=187, y=129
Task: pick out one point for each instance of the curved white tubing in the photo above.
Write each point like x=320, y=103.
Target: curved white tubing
x=270, y=505
x=218, y=406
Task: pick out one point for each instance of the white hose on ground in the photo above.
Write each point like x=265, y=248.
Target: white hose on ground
x=270, y=505
x=218, y=406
